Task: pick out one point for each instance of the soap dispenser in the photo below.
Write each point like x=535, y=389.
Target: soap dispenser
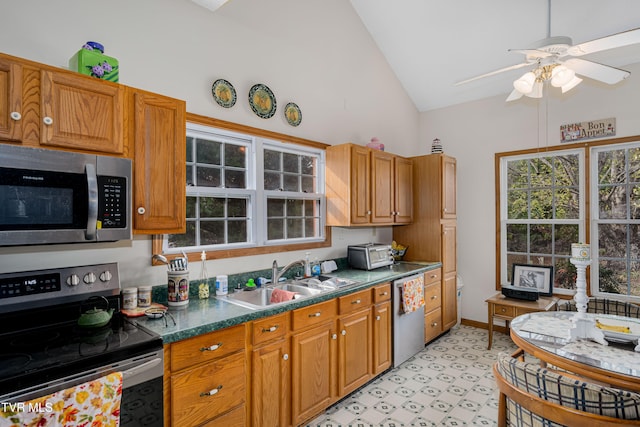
x=307, y=265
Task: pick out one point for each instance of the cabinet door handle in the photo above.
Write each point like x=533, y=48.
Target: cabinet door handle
x=285, y=356
x=356, y=301
x=271, y=329
x=384, y=294
x=141, y=210
x=433, y=276
x=378, y=317
x=211, y=392
x=15, y=116
x=334, y=337
x=47, y=121
x=316, y=314
x=368, y=212
x=212, y=348
x=434, y=297
x=343, y=332
x=434, y=324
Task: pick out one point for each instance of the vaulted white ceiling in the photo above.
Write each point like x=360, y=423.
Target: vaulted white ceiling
x=432, y=44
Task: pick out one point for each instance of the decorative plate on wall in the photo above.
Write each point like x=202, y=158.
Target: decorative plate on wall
x=293, y=114
x=224, y=93
x=262, y=101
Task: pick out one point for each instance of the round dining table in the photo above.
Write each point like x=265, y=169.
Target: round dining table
x=545, y=335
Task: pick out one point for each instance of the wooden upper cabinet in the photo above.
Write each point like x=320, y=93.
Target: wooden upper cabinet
x=448, y=187
x=158, y=133
x=367, y=187
x=81, y=113
x=403, y=190
x=360, y=185
x=10, y=100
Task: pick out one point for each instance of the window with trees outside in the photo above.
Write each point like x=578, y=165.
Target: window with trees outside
x=542, y=210
x=244, y=191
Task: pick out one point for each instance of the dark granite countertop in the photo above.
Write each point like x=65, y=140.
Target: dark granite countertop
x=206, y=315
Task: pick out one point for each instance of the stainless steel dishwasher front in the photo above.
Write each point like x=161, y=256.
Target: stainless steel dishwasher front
x=408, y=328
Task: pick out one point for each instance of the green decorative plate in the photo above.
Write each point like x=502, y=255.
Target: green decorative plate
x=293, y=114
x=224, y=93
x=262, y=101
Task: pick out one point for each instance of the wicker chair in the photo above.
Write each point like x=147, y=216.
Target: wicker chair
x=605, y=306
x=532, y=396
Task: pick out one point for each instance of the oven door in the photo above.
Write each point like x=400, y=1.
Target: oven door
x=142, y=388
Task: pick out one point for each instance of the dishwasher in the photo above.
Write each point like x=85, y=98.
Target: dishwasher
x=408, y=328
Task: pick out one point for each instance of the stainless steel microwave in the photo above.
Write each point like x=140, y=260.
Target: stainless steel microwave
x=49, y=196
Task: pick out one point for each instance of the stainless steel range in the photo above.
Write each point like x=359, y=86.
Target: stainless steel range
x=46, y=349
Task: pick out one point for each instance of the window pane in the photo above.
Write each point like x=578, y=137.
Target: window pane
x=208, y=152
x=565, y=234
x=272, y=181
x=234, y=179
x=517, y=174
x=516, y=237
x=634, y=201
x=191, y=207
x=208, y=177
x=612, y=277
x=211, y=207
x=212, y=232
x=309, y=207
x=190, y=180
x=634, y=240
x=272, y=160
x=613, y=202
x=275, y=229
x=566, y=202
x=308, y=165
x=611, y=167
x=541, y=172
x=294, y=207
x=514, y=259
x=275, y=207
x=183, y=240
x=290, y=163
x=190, y=149
x=541, y=238
x=294, y=228
x=237, y=208
x=235, y=156
x=566, y=171
x=541, y=204
x=237, y=231
x=634, y=279
x=518, y=204
x=310, y=227
x=290, y=183
x=565, y=274
x=308, y=184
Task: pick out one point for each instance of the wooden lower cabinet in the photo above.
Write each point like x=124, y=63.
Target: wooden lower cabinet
x=271, y=372
x=381, y=337
x=433, y=304
x=354, y=351
x=207, y=380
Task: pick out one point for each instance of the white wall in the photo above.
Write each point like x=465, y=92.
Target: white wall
x=474, y=132
x=315, y=53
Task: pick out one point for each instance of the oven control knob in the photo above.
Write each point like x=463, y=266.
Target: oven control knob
x=89, y=278
x=73, y=280
x=105, y=276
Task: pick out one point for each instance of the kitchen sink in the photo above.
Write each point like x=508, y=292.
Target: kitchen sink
x=261, y=297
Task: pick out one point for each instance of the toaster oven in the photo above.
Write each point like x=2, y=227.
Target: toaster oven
x=369, y=256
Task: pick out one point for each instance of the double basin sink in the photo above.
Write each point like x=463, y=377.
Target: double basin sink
x=260, y=298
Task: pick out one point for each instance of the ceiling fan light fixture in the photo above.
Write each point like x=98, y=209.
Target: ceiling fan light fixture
x=536, y=90
x=561, y=76
x=525, y=83
x=212, y=5
x=575, y=81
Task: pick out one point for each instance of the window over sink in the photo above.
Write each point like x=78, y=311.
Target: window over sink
x=245, y=191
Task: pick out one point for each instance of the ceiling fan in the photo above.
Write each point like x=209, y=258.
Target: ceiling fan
x=556, y=59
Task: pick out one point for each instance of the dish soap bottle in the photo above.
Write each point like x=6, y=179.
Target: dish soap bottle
x=315, y=267
x=307, y=265
x=203, y=287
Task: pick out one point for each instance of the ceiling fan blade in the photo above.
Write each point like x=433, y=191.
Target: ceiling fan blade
x=514, y=95
x=610, y=42
x=532, y=53
x=600, y=72
x=501, y=70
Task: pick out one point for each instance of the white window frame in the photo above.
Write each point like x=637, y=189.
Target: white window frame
x=504, y=207
x=594, y=273
x=257, y=229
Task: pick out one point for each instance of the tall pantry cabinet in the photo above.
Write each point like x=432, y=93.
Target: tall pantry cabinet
x=432, y=235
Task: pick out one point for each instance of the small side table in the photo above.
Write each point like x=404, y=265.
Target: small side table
x=507, y=309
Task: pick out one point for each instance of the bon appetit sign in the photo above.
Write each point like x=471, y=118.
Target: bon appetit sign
x=588, y=130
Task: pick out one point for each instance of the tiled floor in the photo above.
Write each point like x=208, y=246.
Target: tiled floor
x=449, y=383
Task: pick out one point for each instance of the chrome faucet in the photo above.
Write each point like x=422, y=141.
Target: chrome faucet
x=275, y=275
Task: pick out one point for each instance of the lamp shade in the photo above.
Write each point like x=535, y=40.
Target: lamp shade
x=525, y=83
x=575, y=81
x=561, y=75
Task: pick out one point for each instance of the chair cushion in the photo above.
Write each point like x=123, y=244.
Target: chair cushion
x=566, y=391
x=605, y=306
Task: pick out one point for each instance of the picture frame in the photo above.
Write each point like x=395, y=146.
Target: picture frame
x=529, y=277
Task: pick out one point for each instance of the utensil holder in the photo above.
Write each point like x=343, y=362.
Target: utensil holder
x=178, y=288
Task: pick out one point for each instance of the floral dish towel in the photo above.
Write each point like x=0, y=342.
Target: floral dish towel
x=91, y=404
x=412, y=294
